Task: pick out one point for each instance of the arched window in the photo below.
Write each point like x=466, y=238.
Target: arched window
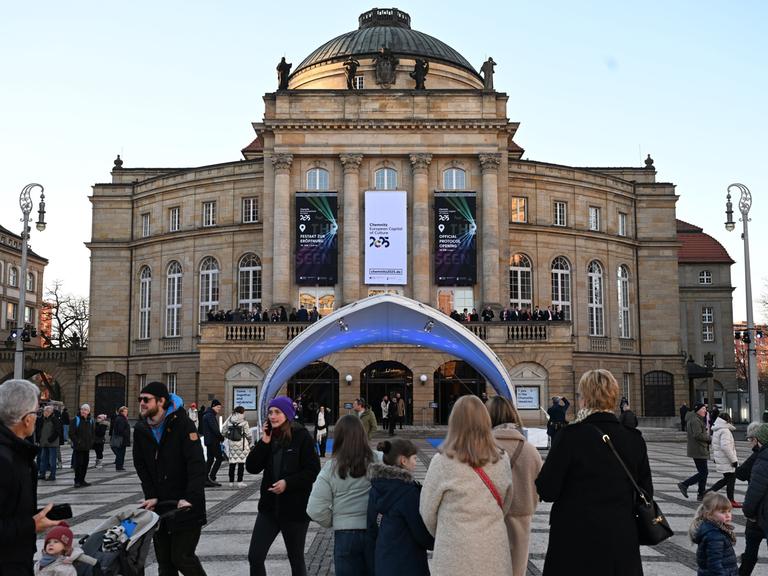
x=317, y=179
x=622, y=291
x=386, y=179
x=145, y=301
x=250, y=282
x=209, y=286
x=595, y=298
x=13, y=276
x=30, y=282
x=520, y=281
x=561, y=286
x=454, y=179
x=173, y=301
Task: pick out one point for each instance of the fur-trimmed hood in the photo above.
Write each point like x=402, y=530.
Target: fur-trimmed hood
x=701, y=526
x=389, y=485
x=379, y=470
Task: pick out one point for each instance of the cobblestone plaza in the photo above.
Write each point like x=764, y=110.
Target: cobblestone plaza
x=224, y=542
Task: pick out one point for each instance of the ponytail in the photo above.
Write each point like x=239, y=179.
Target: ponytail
x=395, y=448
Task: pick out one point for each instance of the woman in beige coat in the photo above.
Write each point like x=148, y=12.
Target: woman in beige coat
x=461, y=509
x=525, y=461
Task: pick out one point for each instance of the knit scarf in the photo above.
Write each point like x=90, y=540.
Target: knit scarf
x=586, y=412
x=47, y=559
x=727, y=529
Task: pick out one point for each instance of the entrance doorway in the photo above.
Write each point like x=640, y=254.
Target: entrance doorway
x=389, y=378
x=453, y=380
x=658, y=394
x=110, y=393
x=314, y=385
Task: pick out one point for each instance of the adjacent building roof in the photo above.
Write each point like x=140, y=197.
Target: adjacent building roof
x=390, y=28
x=696, y=246
x=8, y=234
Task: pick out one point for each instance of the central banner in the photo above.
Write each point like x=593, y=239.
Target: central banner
x=386, y=237
x=455, y=239
x=316, y=239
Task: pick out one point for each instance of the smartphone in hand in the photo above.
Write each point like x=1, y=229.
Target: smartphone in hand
x=268, y=428
x=59, y=512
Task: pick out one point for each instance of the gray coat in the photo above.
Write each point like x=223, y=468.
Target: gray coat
x=698, y=437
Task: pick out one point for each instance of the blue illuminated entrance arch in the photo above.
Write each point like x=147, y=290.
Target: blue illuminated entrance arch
x=384, y=319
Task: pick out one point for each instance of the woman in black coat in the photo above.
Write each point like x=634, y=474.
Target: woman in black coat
x=286, y=454
x=592, y=526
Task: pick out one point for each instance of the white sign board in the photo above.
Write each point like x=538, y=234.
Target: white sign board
x=245, y=397
x=386, y=237
x=527, y=397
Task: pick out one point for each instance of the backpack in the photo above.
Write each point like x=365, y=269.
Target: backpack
x=234, y=433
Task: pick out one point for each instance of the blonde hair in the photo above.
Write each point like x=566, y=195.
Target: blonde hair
x=469, y=437
x=599, y=390
x=502, y=411
x=712, y=502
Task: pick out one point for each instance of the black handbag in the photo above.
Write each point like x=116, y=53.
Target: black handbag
x=652, y=526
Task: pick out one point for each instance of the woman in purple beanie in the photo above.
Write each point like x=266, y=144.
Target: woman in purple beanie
x=286, y=454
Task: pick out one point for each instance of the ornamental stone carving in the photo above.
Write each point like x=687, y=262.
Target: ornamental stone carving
x=282, y=161
x=490, y=161
x=420, y=161
x=351, y=162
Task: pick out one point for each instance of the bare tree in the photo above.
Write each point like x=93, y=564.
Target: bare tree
x=67, y=316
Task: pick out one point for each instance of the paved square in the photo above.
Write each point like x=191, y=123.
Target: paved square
x=223, y=546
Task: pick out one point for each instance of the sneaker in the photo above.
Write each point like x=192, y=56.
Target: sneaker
x=735, y=504
x=244, y=485
x=231, y=484
x=683, y=489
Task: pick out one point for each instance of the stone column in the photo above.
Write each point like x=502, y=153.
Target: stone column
x=267, y=212
x=281, y=238
x=350, y=290
x=489, y=164
x=420, y=241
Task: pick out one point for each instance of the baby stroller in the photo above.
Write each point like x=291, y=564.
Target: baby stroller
x=121, y=543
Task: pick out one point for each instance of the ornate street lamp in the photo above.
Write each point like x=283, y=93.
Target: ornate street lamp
x=25, y=201
x=745, y=203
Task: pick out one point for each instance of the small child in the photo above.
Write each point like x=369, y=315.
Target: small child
x=57, y=553
x=397, y=538
x=712, y=530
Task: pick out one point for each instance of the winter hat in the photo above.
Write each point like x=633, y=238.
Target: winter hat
x=285, y=405
x=762, y=434
x=63, y=534
x=193, y=405
x=697, y=406
x=157, y=389
x=215, y=403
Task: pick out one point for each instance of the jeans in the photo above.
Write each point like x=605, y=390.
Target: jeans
x=175, y=551
x=349, y=553
x=81, y=464
x=119, y=457
x=265, y=530
x=214, y=460
x=753, y=536
x=322, y=443
x=729, y=481
x=47, y=461
x=700, y=476
x=240, y=471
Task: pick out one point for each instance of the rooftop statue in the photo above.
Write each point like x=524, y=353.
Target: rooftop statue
x=487, y=71
x=420, y=73
x=350, y=66
x=386, y=63
x=283, y=71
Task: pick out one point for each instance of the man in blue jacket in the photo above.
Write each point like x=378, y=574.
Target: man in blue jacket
x=213, y=439
x=169, y=461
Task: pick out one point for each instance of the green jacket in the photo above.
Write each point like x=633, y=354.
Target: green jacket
x=698, y=437
x=368, y=418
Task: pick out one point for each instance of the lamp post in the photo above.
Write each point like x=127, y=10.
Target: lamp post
x=745, y=203
x=25, y=201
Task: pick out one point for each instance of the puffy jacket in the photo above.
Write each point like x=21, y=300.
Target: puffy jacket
x=298, y=466
x=723, y=446
x=82, y=433
x=238, y=449
x=755, y=501
x=715, y=555
x=397, y=538
x=172, y=468
x=18, y=503
x=698, y=438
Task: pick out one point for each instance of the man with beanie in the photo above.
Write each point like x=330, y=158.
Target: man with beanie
x=755, y=502
x=170, y=464
x=698, y=449
x=213, y=439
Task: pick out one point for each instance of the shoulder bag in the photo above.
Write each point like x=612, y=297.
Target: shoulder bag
x=491, y=486
x=652, y=526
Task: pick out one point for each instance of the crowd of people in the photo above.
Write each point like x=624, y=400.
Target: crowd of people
x=257, y=314
x=511, y=314
x=474, y=509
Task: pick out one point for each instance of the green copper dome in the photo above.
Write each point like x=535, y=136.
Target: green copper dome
x=390, y=28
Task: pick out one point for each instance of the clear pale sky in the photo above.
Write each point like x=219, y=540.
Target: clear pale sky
x=177, y=84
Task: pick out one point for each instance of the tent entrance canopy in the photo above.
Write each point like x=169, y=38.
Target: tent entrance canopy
x=384, y=319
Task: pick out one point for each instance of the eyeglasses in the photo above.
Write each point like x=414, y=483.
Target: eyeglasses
x=144, y=399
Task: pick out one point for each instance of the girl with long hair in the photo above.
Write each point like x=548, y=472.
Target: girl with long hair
x=339, y=498
x=286, y=454
x=466, y=494
x=712, y=530
x=397, y=538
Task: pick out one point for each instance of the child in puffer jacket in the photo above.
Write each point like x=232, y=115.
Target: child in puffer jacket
x=712, y=530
